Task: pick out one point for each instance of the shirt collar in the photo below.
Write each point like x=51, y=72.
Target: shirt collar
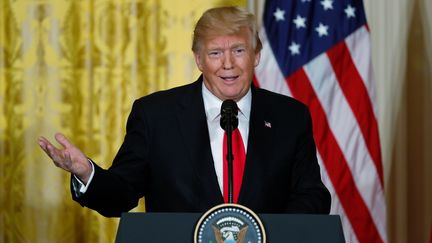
x=212, y=104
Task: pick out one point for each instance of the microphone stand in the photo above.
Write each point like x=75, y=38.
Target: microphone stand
x=230, y=158
x=229, y=122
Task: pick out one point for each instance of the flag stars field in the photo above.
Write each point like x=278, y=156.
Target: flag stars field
x=300, y=22
x=350, y=11
x=279, y=14
x=294, y=48
x=322, y=30
x=327, y=4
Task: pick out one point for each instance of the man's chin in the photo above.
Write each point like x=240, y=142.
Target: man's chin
x=236, y=96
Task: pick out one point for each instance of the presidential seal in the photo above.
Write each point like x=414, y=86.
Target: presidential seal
x=229, y=223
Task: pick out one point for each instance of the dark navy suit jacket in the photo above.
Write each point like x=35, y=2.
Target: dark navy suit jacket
x=166, y=157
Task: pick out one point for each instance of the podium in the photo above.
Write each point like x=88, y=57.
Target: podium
x=179, y=227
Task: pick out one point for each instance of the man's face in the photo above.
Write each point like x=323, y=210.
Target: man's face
x=227, y=63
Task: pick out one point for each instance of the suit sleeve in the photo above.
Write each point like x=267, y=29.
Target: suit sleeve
x=308, y=193
x=119, y=188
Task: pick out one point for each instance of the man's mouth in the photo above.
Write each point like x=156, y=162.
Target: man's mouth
x=229, y=78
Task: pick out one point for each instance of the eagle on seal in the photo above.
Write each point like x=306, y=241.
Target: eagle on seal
x=230, y=235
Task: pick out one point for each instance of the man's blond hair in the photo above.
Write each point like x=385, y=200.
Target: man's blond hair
x=225, y=21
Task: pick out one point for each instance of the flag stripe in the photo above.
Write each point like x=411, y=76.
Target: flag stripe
x=356, y=94
x=334, y=161
x=336, y=206
x=344, y=127
x=255, y=81
x=358, y=44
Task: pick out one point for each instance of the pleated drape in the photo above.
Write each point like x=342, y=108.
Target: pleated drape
x=76, y=67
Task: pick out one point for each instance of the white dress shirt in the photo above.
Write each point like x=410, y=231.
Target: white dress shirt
x=212, y=106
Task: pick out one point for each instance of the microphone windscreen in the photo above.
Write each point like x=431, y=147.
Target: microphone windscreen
x=229, y=111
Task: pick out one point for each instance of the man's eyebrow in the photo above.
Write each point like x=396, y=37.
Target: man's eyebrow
x=238, y=45
x=215, y=48
x=234, y=46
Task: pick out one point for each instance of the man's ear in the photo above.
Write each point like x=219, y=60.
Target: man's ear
x=257, y=58
x=198, y=61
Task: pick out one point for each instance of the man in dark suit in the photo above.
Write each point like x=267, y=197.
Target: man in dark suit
x=172, y=151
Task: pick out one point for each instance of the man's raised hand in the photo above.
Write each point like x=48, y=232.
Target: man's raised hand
x=69, y=158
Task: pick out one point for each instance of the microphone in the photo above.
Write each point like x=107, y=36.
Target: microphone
x=229, y=122
x=229, y=112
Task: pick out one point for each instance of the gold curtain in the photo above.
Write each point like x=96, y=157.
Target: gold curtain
x=409, y=192
x=76, y=67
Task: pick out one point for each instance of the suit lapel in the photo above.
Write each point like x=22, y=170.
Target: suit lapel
x=259, y=143
x=193, y=126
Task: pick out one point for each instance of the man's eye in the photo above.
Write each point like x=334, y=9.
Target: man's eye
x=239, y=51
x=214, y=53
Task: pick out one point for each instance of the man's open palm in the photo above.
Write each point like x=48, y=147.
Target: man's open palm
x=69, y=158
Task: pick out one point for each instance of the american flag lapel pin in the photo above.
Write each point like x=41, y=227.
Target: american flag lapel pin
x=267, y=124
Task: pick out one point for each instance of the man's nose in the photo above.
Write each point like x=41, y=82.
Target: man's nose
x=228, y=62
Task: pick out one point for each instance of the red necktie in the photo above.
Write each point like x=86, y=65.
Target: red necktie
x=238, y=164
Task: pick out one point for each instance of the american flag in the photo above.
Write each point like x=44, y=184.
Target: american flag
x=318, y=51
